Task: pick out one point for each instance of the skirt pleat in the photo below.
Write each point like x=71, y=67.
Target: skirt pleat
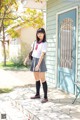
x=42, y=67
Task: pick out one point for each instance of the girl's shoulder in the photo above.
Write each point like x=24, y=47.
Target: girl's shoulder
x=44, y=43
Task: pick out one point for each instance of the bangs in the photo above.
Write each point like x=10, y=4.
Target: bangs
x=41, y=30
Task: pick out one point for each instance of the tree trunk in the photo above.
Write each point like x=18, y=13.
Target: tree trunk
x=4, y=49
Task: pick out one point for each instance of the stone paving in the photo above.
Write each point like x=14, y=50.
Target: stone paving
x=18, y=105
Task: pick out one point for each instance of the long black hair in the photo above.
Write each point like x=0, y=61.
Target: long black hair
x=41, y=30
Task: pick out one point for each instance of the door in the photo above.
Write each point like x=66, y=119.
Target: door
x=67, y=50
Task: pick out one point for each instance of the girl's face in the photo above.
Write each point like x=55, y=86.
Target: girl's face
x=40, y=36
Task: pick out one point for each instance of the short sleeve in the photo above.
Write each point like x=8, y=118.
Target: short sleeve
x=44, y=47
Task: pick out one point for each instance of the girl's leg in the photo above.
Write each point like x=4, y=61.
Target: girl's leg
x=44, y=83
x=36, y=76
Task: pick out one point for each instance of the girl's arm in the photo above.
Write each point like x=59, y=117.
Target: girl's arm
x=27, y=57
x=41, y=58
x=44, y=49
x=39, y=62
x=32, y=45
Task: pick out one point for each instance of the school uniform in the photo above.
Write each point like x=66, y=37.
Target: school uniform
x=37, y=50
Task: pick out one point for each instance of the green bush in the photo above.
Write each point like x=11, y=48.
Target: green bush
x=18, y=60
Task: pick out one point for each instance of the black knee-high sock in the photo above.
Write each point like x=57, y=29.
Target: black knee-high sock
x=45, y=89
x=38, y=87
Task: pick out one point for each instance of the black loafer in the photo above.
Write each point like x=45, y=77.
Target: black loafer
x=44, y=100
x=35, y=97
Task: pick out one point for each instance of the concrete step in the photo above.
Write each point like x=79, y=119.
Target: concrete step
x=19, y=106
x=34, y=109
x=9, y=112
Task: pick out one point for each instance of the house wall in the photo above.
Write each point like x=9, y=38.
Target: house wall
x=27, y=36
x=23, y=43
x=53, y=7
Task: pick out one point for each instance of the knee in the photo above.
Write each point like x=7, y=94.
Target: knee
x=36, y=76
x=42, y=80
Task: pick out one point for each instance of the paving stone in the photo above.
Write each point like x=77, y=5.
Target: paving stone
x=59, y=107
x=11, y=112
x=64, y=116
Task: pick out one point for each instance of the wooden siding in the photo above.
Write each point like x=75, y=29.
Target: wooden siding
x=53, y=7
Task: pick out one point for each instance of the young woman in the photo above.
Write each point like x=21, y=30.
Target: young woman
x=38, y=66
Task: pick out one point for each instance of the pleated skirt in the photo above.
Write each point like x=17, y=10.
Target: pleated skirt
x=42, y=67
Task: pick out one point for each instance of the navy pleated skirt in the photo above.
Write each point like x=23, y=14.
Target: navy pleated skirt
x=42, y=67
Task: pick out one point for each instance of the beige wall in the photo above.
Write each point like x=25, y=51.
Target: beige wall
x=28, y=35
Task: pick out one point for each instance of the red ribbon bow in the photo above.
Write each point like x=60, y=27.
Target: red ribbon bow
x=37, y=45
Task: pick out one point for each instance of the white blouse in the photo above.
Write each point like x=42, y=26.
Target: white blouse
x=42, y=47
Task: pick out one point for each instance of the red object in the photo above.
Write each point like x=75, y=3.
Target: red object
x=37, y=45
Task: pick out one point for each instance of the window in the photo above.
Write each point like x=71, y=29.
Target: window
x=66, y=34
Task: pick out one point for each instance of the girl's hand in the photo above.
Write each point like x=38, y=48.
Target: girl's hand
x=37, y=68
